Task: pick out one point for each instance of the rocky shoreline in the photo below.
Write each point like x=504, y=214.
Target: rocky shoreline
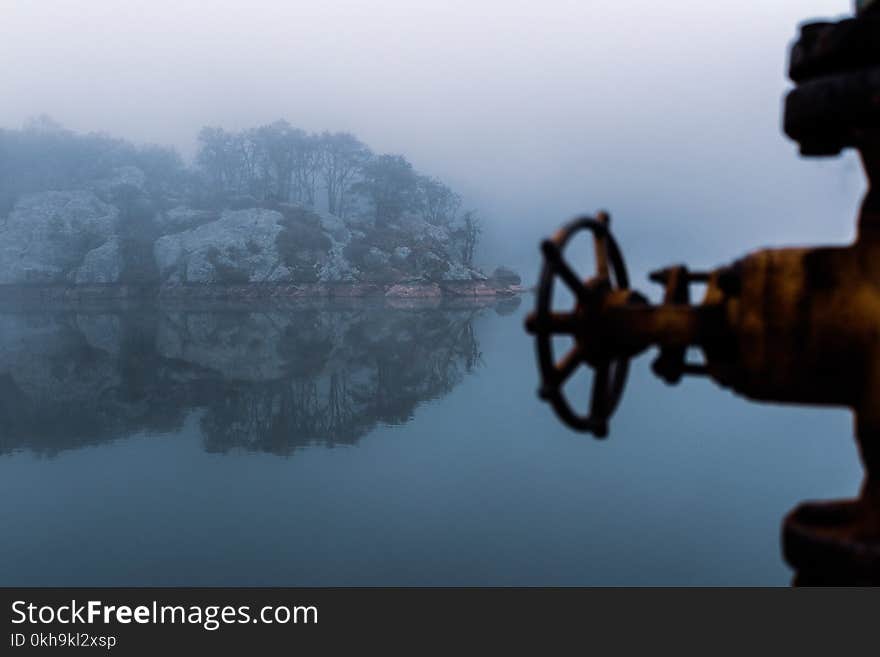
x=138, y=229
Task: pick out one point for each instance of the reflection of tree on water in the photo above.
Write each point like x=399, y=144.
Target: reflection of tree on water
x=268, y=381
x=334, y=392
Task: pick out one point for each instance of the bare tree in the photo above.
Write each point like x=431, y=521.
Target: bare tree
x=219, y=157
x=439, y=205
x=342, y=156
x=306, y=168
x=278, y=144
x=472, y=228
x=390, y=185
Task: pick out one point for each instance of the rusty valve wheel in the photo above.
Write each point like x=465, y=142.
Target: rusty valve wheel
x=590, y=295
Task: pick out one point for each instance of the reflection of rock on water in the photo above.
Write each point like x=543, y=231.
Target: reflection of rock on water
x=508, y=305
x=264, y=380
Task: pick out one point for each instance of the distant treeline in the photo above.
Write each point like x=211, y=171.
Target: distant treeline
x=275, y=163
x=283, y=163
x=43, y=156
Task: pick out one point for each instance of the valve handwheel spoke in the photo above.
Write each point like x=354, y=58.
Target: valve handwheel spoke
x=569, y=364
x=556, y=323
x=600, y=391
x=544, y=323
x=562, y=269
x=600, y=244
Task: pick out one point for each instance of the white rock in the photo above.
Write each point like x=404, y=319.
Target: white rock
x=182, y=218
x=457, y=272
x=47, y=235
x=101, y=265
x=240, y=243
x=403, y=291
x=334, y=227
x=337, y=268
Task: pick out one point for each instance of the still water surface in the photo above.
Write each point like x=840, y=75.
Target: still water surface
x=367, y=445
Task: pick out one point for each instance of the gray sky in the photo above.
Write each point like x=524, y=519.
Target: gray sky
x=667, y=114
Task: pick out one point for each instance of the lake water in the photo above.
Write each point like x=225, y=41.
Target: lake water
x=368, y=445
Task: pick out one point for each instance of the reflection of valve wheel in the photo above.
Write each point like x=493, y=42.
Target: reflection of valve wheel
x=590, y=295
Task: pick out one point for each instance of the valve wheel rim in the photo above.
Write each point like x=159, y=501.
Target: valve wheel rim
x=544, y=323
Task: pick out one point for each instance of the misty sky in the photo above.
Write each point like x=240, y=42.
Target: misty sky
x=667, y=114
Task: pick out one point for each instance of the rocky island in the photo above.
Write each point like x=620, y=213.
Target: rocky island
x=267, y=212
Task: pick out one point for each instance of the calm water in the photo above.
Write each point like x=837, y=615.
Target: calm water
x=375, y=446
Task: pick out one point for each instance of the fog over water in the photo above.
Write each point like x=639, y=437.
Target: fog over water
x=354, y=445
x=668, y=114
x=393, y=441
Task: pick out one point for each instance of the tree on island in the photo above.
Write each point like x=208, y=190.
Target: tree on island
x=390, y=185
x=343, y=158
x=277, y=165
x=281, y=163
